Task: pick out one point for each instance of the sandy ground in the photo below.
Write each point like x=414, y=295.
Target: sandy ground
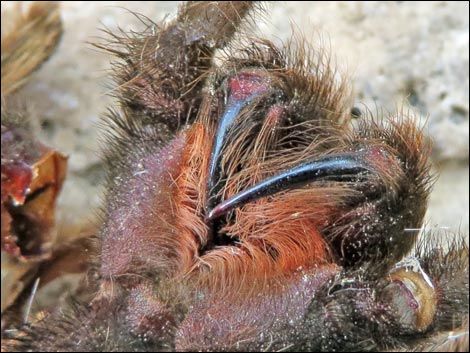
x=394, y=51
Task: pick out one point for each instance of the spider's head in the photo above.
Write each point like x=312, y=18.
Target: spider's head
x=267, y=192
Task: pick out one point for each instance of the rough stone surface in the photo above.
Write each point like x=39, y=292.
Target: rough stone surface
x=411, y=53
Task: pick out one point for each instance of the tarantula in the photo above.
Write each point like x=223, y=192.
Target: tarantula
x=245, y=212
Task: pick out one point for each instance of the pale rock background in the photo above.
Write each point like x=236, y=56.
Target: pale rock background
x=394, y=51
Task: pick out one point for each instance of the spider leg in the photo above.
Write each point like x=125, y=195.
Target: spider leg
x=164, y=68
x=422, y=305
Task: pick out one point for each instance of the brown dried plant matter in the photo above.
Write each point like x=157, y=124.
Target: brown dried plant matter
x=245, y=212
x=32, y=173
x=29, y=38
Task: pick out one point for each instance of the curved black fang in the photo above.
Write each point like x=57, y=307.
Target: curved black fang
x=231, y=112
x=244, y=88
x=338, y=167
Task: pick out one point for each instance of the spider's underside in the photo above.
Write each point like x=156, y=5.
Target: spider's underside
x=243, y=212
